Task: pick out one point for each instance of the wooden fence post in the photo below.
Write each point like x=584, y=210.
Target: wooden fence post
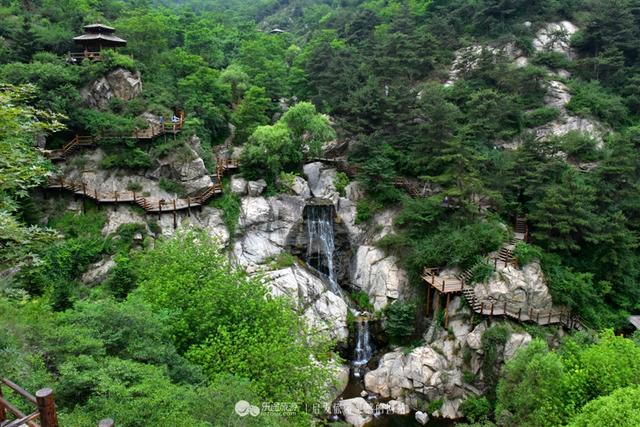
x=519, y=314
x=47, y=408
x=446, y=312
x=159, y=210
x=3, y=414
x=491, y=310
x=550, y=313
x=505, y=309
x=188, y=206
x=115, y=205
x=175, y=223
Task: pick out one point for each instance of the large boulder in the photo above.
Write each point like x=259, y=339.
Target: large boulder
x=356, y=411
x=119, y=83
x=520, y=288
x=185, y=166
x=379, y=275
x=265, y=227
x=320, y=179
x=325, y=312
x=238, y=185
x=514, y=343
x=255, y=188
x=555, y=37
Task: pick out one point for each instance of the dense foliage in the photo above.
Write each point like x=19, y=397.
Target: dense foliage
x=177, y=320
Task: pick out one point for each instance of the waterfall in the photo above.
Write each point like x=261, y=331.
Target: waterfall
x=321, y=245
x=364, y=350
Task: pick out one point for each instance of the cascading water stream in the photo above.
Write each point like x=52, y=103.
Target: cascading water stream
x=364, y=350
x=321, y=247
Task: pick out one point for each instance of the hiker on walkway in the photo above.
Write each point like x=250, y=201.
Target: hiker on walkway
x=446, y=201
x=175, y=121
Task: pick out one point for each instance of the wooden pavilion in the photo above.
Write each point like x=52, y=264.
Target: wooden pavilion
x=96, y=38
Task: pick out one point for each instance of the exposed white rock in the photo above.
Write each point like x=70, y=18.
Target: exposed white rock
x=324, y=311
x=520, y=288
x=122, y=214
x=346, y=213
x=238, y=185
x=356, y=411
x=378, y=275
x=186, y=166
x=207, y=218
x=320, y=179
x=514, y=343
x=422, y=418
x=399, y=408
x=119, y=83
x=98, y=272
x=255, y=188
x=264, y=227
x=474, y=338
x=555, y=37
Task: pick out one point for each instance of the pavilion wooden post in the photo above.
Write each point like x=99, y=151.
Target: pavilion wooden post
x=47, y=408
x=175, y=222
x=108, y=422
x=446, y=312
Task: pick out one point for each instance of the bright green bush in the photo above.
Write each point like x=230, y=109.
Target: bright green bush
x=225, y=321
x=341, y=181
x=526, y=254
x=400, y=321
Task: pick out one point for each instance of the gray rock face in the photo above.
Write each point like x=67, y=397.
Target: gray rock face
x=238, y=185
x=185, y=166
x=514, y=343
x=422, y=418
x=320, y=179
x=120, y=83
x=356, y=411
x=378, y=275
x=555, y=37
x=98, y=272
x=255, y=188
x=324, y=311
x=520, y=288
x=298, y=187
x=264, y=227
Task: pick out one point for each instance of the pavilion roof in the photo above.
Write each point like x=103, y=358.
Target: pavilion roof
x=98, y=28
x=110, y=39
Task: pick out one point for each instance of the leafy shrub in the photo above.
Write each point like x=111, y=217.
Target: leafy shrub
x=400, y=321
x=282, y=260
x=113, y=59
x=476, y=408
x=229, y=203
x=127, y=158
x=579, y=146
x=434, y=406
x=555, y=60
x=134, y=186
x=591, y=99
x=361, y=299
x=122, y=277
x=340, y=181
x=286, y=180
x=481, y=271
x=226, y=322
x=526, y=254
x=493, y=341
x=365, y=209
x=540, y=116
x=171, y=186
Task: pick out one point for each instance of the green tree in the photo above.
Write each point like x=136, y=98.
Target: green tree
x=226, y=322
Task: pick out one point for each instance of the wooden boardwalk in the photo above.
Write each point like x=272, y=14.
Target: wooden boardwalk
x=153, y=131
x=149, y=204
x=462, y=284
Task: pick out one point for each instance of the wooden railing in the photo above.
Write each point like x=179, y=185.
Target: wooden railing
x=43, y=401
x=92, y=56
x=153, y=131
